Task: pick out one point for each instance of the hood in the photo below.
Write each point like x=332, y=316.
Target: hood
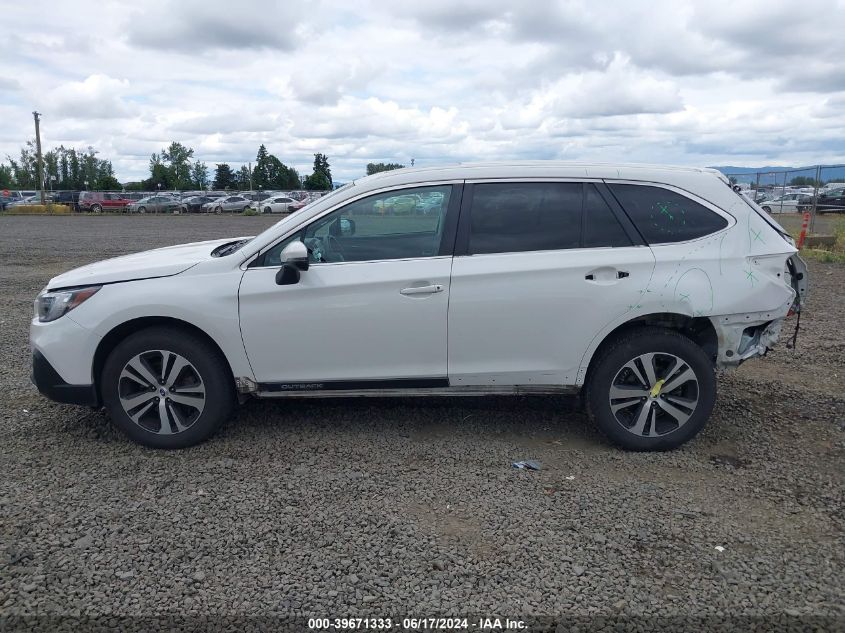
x=161, y=262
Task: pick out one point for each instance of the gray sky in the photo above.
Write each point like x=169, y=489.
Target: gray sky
x=699, y=83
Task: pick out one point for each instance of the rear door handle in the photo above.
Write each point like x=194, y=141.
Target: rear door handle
x=606, y=275
x=422, y=290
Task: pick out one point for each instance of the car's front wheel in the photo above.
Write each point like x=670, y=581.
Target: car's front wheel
x=268, y=210
x=767, y=209
x=167, y=388
x=96, y=208
x=652, y=389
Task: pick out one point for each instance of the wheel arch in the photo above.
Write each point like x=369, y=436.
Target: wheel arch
x=699, y=329
x=121, y=331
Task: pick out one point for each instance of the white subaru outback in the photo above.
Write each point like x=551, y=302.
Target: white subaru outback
x=632, y=284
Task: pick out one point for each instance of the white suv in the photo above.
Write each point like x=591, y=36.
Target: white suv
x=632, y=284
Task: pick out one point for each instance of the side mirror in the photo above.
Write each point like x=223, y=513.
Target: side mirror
x=287, y=275
x=295, y=254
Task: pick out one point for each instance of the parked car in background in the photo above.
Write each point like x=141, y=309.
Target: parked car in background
x=23, y=202
x=227, y=204
x=831, y=202
x=99, y=201
x=258, y=195
x=70, y=198
x=832, y=187
x=397, y=205
x=789, y=203
x=430, y=203
x=155, y=204
x=633, y=284
x=277, y=204
x=194, y=203
x=5, y=201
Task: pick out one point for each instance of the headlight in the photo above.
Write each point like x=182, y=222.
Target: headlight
x=49, y=306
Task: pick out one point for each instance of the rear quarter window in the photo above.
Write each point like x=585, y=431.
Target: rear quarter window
x=663, y=216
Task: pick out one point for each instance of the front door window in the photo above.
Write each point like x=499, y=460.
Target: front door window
x=403, y=224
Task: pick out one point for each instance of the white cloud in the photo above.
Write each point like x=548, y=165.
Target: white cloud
x=192, y=26
x=97, y=97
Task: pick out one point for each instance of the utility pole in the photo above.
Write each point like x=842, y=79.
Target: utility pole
x=38, y=155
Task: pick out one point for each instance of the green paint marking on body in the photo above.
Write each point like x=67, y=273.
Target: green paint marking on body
x=749, y=275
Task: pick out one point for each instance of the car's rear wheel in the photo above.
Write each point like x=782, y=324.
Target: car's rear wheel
x=767, y=209
x=167, y=388
x=652, y=389
x=96, y=208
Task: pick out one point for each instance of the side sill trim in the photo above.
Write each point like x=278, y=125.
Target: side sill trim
x=353, y=385
x=409, y=392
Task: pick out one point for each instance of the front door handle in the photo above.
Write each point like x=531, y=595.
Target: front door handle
x=422, y=290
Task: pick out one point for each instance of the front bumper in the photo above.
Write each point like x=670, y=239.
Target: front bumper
x=49, y=383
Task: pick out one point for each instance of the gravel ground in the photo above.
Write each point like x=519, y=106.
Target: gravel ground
x=410, y=507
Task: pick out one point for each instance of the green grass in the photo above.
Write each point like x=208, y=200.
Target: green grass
x=834, y=255
x=819, y=255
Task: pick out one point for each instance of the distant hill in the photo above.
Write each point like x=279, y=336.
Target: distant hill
x=749, y=174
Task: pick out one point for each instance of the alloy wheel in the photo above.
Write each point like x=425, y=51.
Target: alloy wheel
x=654, y=394
x=161, y=391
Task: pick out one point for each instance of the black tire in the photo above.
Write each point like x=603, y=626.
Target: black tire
x=767, y=209
x=268, y=210
x=630, y=346
x=211, y=366
x=142, y=209
x=96, y=208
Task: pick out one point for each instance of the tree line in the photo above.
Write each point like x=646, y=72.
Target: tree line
x=64, y=168
x=174, y=167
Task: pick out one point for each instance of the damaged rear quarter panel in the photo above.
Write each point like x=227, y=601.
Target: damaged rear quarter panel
x=737, y=278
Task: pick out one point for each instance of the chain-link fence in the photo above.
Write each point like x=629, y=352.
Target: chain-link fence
x=818, y=190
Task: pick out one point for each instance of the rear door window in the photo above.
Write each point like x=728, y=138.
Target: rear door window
x=601, y=228
x=665, y=216
x=528, y=216
x=539, y=216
